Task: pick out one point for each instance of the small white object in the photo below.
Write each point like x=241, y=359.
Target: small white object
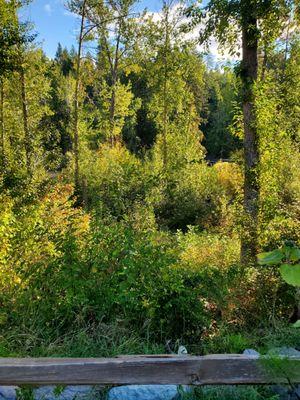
x=182, y=351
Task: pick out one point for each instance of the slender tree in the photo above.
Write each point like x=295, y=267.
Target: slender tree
x=27, y=134
x=2, y=144
x=117, y=31
x=249, y=22
x=76, y=95
x=10, y=38
x=18, y=38
x=166, y=11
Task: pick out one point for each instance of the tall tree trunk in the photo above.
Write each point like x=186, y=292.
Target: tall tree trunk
x=114, y=73
x=2, y=144
x=251, y=146
x=264, y=63
x=165, y=88
x=27, y=136
x=112, y=108
x=76, y=101
x=298, y=302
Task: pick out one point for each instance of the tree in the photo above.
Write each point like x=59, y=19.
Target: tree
x=65, y=59
x=58, y=124
x=76, y=94
x=247, y=21
x=27, y=134
x=2, y=126
x=278, y=128
x=117, y=31
x=27, y=88
x=80, y=8
x=13, y=35
x=173, y=75
x=166, y=50
x=217, y=116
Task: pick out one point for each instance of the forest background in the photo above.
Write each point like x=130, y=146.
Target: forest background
x=125, y=218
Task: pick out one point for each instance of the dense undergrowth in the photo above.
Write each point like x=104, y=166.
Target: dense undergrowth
x=92, y=281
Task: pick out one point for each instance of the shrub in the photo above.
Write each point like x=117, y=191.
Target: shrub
x=115, y=180
x=135, y=280
x=192, y=196
x=40, y=236
x=214, y=259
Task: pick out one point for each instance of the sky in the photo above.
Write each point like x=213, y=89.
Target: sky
x=53, y=23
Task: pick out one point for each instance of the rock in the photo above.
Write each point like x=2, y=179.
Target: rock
x=144, y=392
x=251, y=352
x=286, y=393
x=133, y=392
x=54, y=393
x=8, y=392
x=284, y=351
x=182, y=351
x=77, y=392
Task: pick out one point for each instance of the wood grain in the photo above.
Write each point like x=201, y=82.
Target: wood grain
x=160, y=369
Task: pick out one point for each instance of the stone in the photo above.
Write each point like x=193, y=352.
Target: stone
x=284, y=351
x=144, y=392
x=251, y=352
x=286, y=393
x=75, y=392
x=78, y=392
x=8, y=392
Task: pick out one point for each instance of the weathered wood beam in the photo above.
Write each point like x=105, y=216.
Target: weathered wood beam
x=160, y=369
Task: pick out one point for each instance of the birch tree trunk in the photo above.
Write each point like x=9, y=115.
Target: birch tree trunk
x=165, y=88
x=76, y=101
x=27, y=136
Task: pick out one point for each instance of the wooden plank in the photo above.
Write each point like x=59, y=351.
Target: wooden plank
x=160, y=369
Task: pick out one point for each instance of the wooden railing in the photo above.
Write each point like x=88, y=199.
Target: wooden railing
x=160, y=369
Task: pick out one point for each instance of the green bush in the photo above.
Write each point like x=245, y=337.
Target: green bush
x=192, y=196
x=135, y=279
x=69, y=271
x=38, y=270
x=115, y=180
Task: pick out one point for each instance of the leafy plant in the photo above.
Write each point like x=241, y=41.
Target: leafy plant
x=288, y=259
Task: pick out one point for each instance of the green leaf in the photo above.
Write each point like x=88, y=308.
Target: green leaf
x=297, y=324
x=295, y=254
x=291, y=273
x=270, y=258
x=286, y=250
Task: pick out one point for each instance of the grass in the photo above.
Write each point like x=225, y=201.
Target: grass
x=108, y=340
x=224, y=340
x=104, y=340
x=231, y=393
x=99, y=340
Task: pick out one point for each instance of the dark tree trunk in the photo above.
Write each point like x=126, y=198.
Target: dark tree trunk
x=27, y=136
x=76, y=103
x=251, y=148
x=2, y=144
x=114, y=73
x=112, y=108
x=165, y=88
